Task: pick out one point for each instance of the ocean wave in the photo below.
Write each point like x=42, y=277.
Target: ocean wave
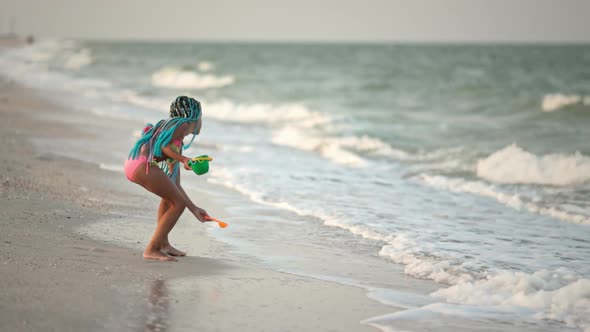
x=513, y=165
x=422, y=262
x=294, y=122
x=40, y=52
x=559, y=295
x=556, y=101
x=31, y=66
x=296, y=126
x=131, y=97
x=262, y=113
x=225, y=177
x=350, y=150
x=344, y=150
x=180, y=78
x=398, y=247
x=514, y=201
x=80, y=59
x=326, y=147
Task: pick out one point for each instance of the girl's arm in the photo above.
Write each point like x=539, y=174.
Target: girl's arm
x=169, y=152
x=197, y=211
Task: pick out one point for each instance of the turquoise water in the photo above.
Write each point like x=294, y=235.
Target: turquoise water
x=467, y=165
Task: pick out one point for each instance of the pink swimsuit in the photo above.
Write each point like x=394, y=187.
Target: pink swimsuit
x=131, y=165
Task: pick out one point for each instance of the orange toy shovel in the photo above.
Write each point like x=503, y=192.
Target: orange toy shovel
x=219, y=222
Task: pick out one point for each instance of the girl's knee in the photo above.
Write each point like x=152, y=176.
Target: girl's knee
x=178, y=204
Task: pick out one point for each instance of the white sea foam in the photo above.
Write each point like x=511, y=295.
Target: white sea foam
x=292, y=123
x=327, y=147
x=514, y=165
x=557, y=295
x=19, y=63
x=205, y=66
x=30, y=66
x=422, y=262
x=290, y=118
x=40, y=52
x=178, y=78
x=298, y=114
x=376, y=147
x=368, y=145
x=224, y=177
x=512, y=200
x=80, y=59
x=554, y=102
x=356, y=229
x=349, y=150
x=131, y=97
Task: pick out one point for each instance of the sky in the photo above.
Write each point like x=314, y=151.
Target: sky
x=546, y=21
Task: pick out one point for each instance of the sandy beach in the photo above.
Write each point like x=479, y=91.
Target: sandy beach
x=54, y=279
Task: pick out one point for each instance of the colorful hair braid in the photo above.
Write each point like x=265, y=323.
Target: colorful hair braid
x=182, y=110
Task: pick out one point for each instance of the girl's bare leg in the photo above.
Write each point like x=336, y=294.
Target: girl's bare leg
x=157, y=182
x=167, y=248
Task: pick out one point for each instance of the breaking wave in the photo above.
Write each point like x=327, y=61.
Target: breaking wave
x=514, y=165
x=554, y=102
x=179, y=78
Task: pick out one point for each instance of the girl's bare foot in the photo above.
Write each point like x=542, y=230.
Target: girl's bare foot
x=157, y=255
x=170, y=250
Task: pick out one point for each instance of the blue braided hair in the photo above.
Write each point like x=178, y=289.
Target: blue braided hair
x=182, y=110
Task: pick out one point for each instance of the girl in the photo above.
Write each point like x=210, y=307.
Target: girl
x=163, y=144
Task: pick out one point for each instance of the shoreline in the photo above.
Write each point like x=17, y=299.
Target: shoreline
x=103, y=286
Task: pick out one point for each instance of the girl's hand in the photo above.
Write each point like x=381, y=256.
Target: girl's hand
x=186, y=166
x=200, y=213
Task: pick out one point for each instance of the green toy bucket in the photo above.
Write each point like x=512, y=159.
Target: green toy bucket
x=200, y=164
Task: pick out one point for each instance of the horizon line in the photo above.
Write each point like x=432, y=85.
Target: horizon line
x=314, y=41
x=336, y=41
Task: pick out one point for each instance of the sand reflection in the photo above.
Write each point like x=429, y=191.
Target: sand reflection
x=157, y=312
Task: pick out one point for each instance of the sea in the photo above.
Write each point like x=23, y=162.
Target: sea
x=465, y=168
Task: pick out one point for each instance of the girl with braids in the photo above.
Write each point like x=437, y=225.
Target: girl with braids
x=154, y=163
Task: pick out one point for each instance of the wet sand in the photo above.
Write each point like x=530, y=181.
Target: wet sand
x=54, y=279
